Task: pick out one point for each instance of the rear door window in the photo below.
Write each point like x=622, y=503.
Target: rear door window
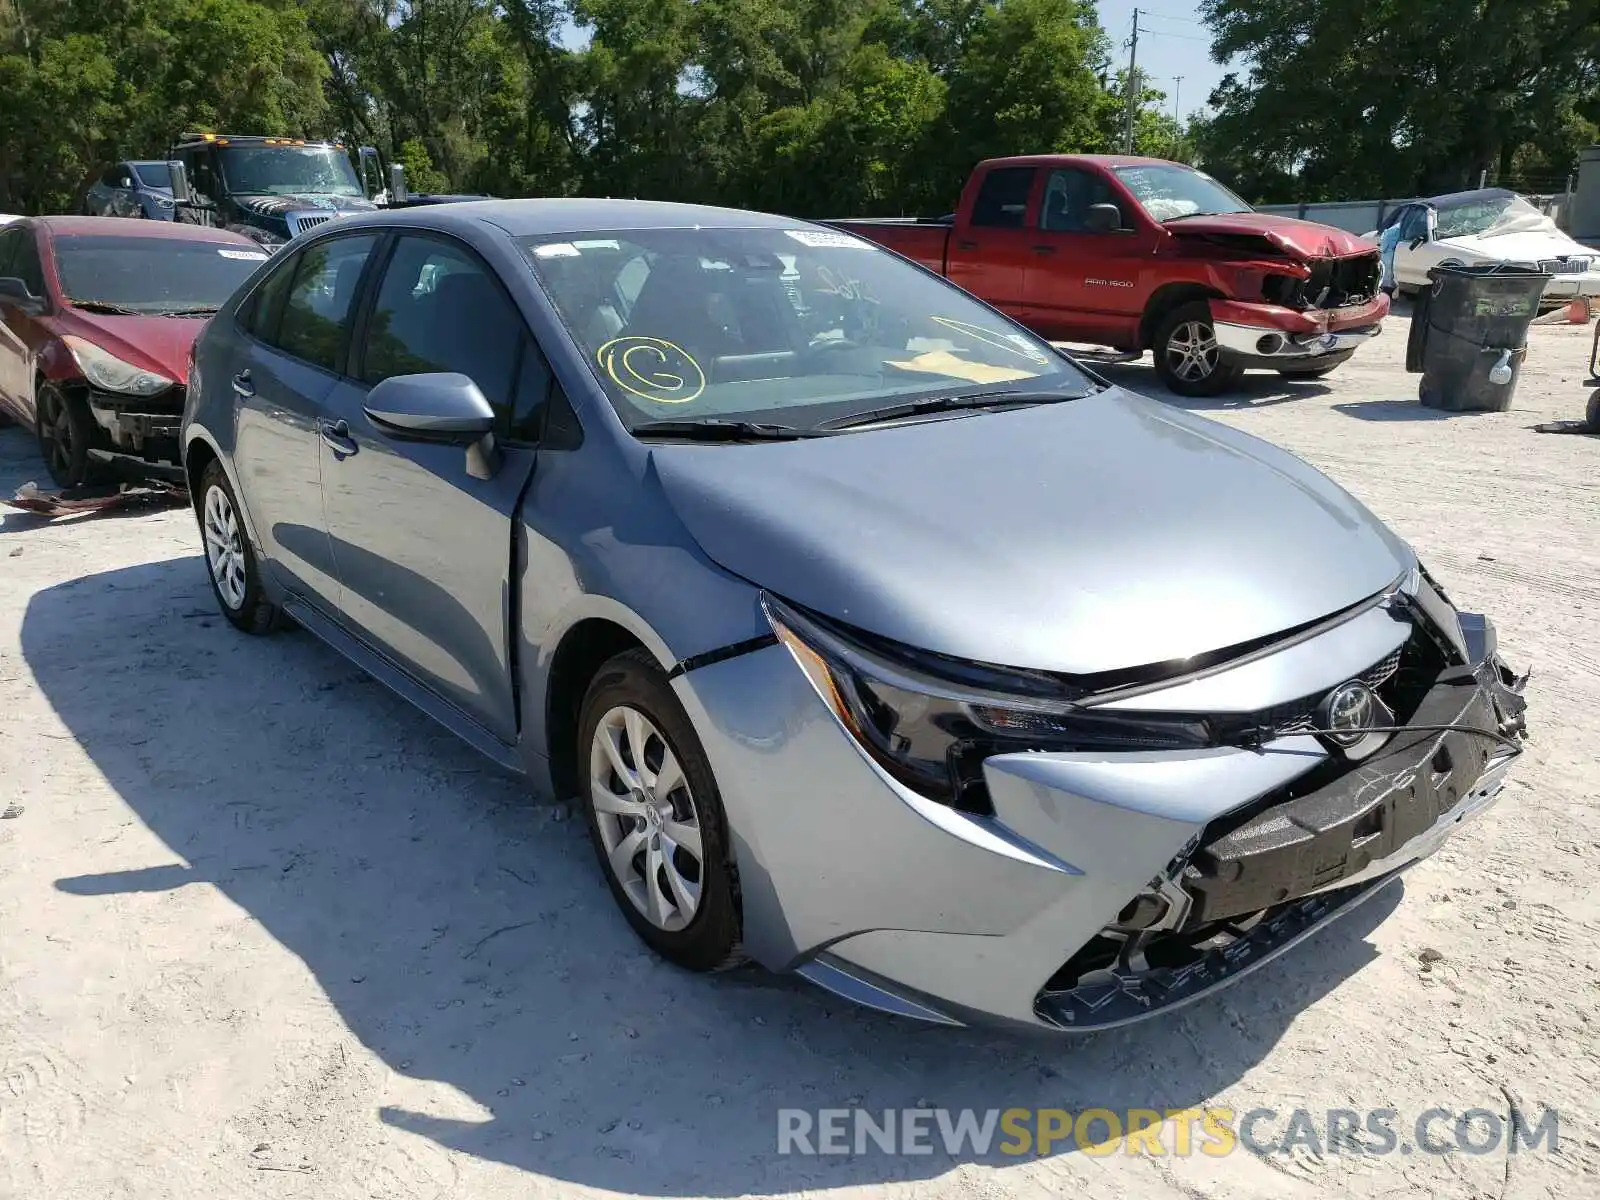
x=316, y=312
x=1002, y=200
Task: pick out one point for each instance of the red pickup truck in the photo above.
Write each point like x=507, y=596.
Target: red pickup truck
x=1142, y=254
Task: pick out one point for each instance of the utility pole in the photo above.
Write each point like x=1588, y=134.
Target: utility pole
x=1132, y=86
x=1177, y=91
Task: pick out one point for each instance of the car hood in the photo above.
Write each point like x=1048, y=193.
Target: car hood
x=274, y=206
x=1088, y=536
x=1529, y=246
x=154, y=343
x=1303, y=239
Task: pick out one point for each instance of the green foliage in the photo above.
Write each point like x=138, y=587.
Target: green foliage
x=1392, y=98
x=814, y=107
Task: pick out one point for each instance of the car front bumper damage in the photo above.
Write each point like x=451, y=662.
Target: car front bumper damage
x=141, y=434
x=1105, y=887
x=1270, y=335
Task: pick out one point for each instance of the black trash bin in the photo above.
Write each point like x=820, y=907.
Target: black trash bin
x=1469, y=335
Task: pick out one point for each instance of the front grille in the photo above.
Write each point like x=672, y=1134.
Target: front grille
x=1301, y=715
x=1576, y=265
x=1336, y=282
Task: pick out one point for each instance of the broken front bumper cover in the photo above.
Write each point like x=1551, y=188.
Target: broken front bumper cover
x=1272, y=335
x=1264, y=885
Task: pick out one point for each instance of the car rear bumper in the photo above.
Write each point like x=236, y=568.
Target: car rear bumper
x=911, y=907
x=1271, y=335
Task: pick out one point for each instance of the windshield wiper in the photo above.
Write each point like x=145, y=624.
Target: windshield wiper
x=189, y=312
x=939, y=404
x=715, y=429
x=105, y=306
x=1186, y=216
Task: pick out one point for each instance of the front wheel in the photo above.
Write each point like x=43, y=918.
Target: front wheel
x=655, y=816
x=66, y=431
x=1188, y=359
x=230, y=559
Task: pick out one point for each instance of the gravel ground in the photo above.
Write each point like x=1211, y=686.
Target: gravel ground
x=265, y=931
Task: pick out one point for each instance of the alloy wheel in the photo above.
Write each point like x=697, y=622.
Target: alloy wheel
x=646, y=814
x=224, y=548
x=1192, y=351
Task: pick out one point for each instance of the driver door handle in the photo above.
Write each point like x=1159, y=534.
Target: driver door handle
x=242, y=384
x=1044, y=249
x=337, y=435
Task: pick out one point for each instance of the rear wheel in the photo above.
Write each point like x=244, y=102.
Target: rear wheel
x=230, y=559
x=655, y=816
x=1592, y=417
x=1188, y=359
x=66, y=431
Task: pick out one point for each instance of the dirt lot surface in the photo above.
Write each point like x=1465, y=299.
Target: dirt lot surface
x=267, y=932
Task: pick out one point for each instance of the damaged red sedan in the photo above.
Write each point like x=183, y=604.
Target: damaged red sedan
x=97, y=316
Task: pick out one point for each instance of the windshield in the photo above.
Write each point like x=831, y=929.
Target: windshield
x=1167, y=190
x=782, y=325
x=289, y=170
x=154, y=174
x=152, y=275
x=1491, y=216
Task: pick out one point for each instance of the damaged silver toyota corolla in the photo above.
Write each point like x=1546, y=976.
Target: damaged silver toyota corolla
x=879, y=641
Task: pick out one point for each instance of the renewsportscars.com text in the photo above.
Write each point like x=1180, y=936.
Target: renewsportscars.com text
x=1213, y=1131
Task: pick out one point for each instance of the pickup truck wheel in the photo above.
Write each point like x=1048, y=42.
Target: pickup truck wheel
x=1188, y=358
x=66, y=431
x=230, y=560
x=655, y=816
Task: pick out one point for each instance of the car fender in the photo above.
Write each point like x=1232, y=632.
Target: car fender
x=198, y=433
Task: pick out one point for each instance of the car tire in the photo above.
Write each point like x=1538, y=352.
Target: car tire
x=1188, y=359
x=231, y=564
x=1592, y=416
x=66, y=431
x=683, y=905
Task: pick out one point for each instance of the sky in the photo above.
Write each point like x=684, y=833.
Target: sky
x=1172, y=44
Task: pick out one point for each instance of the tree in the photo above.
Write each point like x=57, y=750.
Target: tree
x=1390, y=99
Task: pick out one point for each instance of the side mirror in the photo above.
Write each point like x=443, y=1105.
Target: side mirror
x=397, y=184
x=371, y=170
x=181, y=192
x=14, y=291
x=1102, y=218
x=443, y=407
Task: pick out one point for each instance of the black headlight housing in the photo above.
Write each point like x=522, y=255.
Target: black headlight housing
x=929, y=721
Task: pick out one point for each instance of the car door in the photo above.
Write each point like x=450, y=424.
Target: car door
x=1415, y=253
x=989, y=254
x=1082, y=284
x=291, y=346
x=424, y=549
x=12, y=348
x=20, y=333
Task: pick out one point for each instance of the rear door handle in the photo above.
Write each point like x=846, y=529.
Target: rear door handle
x=966, y=245
x=1044, y=249
x=337, y=435
x=242, y=384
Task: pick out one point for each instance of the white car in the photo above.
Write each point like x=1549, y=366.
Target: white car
x=1490, y=225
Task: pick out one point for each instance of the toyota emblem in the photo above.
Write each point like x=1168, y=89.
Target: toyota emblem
x=1347, y=713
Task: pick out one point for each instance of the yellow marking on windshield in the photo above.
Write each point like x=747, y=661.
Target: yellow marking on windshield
x=993, y=337
x=942, y=362
x=653, y=369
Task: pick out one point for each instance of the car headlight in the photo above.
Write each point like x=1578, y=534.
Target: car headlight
x=105, y=370
x=929, y=721
x=163, y=202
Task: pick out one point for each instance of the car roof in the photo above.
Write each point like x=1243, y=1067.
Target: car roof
x=1450, y=199
x=64, y=226
x=1103, y=160
x=554, y=216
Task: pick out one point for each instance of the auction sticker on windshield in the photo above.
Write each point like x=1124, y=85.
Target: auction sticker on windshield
x=819, y=239
x=244, y=255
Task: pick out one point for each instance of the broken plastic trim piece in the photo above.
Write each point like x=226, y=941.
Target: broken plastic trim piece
x=695, y=661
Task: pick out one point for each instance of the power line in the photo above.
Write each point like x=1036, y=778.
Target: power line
x=1183, y=37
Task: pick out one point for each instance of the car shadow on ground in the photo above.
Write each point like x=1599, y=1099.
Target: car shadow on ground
x=1256, y=389
x=465, y=936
